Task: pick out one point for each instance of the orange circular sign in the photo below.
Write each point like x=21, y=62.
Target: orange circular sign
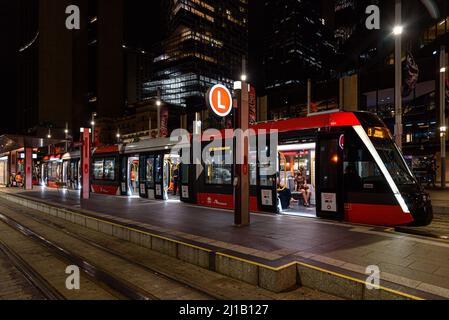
x=220, y=100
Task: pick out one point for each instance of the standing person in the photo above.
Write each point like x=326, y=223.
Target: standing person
x=431, y=172
x=133, y=179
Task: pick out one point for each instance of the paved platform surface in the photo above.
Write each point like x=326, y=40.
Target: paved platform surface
x=417, y=262
x=440, y=200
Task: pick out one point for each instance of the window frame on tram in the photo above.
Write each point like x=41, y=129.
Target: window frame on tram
x=103, y=157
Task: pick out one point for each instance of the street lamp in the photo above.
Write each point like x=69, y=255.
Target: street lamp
x=244, y=77
x=397, y=32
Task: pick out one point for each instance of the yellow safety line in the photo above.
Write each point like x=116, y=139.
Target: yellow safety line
x=360, y=281
x=406, y=295
x=321, y=270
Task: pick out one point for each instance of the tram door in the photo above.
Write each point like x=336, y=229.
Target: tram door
x=133, y=176
x=266, y=167
x=329, y=178
x=159, y=189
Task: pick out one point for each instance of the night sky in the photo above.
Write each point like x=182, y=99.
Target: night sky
x=7, y=65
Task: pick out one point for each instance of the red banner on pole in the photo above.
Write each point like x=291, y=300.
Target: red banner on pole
x=252, y=102
x=164, y=123
x=28, y=168
x=86, y=164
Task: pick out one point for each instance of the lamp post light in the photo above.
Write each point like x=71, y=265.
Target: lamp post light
x=397, y=32
x=49, y=137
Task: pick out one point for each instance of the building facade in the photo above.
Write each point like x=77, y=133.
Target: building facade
x=205, y=44
x=298, y=46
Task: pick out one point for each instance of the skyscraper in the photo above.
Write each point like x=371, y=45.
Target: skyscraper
x=298, y=46
x=75, y=72
x=205, y=44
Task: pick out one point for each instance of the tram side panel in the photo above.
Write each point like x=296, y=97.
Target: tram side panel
x=105, y=173
x=215, y=180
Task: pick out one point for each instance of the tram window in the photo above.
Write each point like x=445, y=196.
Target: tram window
x=104, y=169
x=393, y=160
x=267, y=174
x=253, y=166
x=98, y=169
x=217, y=171
x=54, y=170
x=109, y=169
x=150, y=166
x=327, y=178
x=159, y=171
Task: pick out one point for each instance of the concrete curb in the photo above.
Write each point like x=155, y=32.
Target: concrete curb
x=275, y=279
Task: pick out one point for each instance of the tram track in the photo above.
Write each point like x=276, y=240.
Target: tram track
x=110, y=279
x=95, y=272
x=39, y=283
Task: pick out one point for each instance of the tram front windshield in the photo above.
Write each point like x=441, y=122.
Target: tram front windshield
x=388, y=152
x=393, y=160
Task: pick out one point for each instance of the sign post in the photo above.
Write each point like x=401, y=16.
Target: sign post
x=220, y=101
x=241, y=168
x=28, y=169
x=85, y=154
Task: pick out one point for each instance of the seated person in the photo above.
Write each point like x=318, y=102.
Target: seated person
x=285, y=196
x=302, y=187
x=19, y=179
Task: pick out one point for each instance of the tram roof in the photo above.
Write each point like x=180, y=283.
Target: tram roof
x=10, y=142
x=332, y=119
x=154, y=144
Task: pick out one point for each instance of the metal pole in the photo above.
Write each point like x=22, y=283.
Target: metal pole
x=93, y=129
x=443, y=127
x=158, y=120
x=398, y=76
x=241, y=170
x=66, y=131
x=197, y=124
x=309, y=96
x=158, y=104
